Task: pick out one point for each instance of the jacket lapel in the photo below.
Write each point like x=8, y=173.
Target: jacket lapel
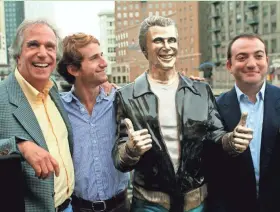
x=231, y=113
x=24, y=113
x=230, y=110
x=270, y=125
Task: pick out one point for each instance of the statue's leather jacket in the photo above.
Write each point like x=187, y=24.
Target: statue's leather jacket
x=198, y=122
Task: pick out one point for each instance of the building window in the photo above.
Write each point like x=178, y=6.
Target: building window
x=119, y=15
x=119, y=79
x=125, y=15
x=157, y=6
x=111, y=50
x=191, y=40
x=238, y=18
x=266, y=43
x=169, y=4
x=265, y=10
x=273, y=45
x=131, y=6
x=118, y=8
x=273, y=27
x=131, y=15
x=125, y=23
x=163, y=5
x=163, y=13
x=169, y=12
x=136, y=6
x=123, y=69
x=136, y=14
x=114, y=80
x=230, y=6
x=237, y=4
x=150, y=5
x=124, y=79
x=273, y=9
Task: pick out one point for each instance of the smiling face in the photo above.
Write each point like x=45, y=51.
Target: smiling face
x=249, y=62
x=162, y=47
x=92, y=71
x=37, y=59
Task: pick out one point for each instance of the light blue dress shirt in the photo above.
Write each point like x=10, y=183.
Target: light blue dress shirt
x=94, y=136
x=254, y=121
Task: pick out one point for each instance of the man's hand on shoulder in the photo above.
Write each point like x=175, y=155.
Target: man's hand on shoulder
x=107, y=86
x=197, y=78
x=40, y=159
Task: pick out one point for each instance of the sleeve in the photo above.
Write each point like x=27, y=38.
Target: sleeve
x=215, y=125
x=9, y=146
x=120, y=153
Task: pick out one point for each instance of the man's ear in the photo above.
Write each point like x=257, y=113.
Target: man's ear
x=73, y=70
x=228, y=65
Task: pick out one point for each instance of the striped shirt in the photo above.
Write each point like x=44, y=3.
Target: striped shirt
x=94, y=136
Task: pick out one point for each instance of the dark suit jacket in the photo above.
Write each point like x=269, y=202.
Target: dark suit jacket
x=232, y=184
x=18, y=120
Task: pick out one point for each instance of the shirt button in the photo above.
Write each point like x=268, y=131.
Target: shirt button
x=91, y=124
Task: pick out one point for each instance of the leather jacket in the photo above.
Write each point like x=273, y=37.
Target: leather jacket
x=198, y=122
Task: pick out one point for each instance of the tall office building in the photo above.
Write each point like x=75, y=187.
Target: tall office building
x=14, y=15
x=3, y=51
x=108, y=39
x=230, y=18
x=192, y=29
x=11, y=15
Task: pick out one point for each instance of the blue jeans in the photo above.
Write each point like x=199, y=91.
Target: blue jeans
x=68, y=209
x=144, y=206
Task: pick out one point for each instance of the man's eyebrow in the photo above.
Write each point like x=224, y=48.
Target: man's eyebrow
x=30, y=42
x=259, y=51
x=50, y=43
x=156, y=38
x=241, y=53
x=164, y=38
x=95, y=55
x=245, y=53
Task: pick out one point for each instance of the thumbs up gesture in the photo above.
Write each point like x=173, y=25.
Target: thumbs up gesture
x=139, y=141
x=238, y=140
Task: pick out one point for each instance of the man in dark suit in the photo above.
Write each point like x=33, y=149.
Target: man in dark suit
x=33, y=123
x=250, y=181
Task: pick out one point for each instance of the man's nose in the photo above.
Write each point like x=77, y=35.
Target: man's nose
x=251, y=62
x=103, y=63
x=42, y=51
x=166, y=44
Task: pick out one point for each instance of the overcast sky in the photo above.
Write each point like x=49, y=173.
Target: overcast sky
x=69, y=16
